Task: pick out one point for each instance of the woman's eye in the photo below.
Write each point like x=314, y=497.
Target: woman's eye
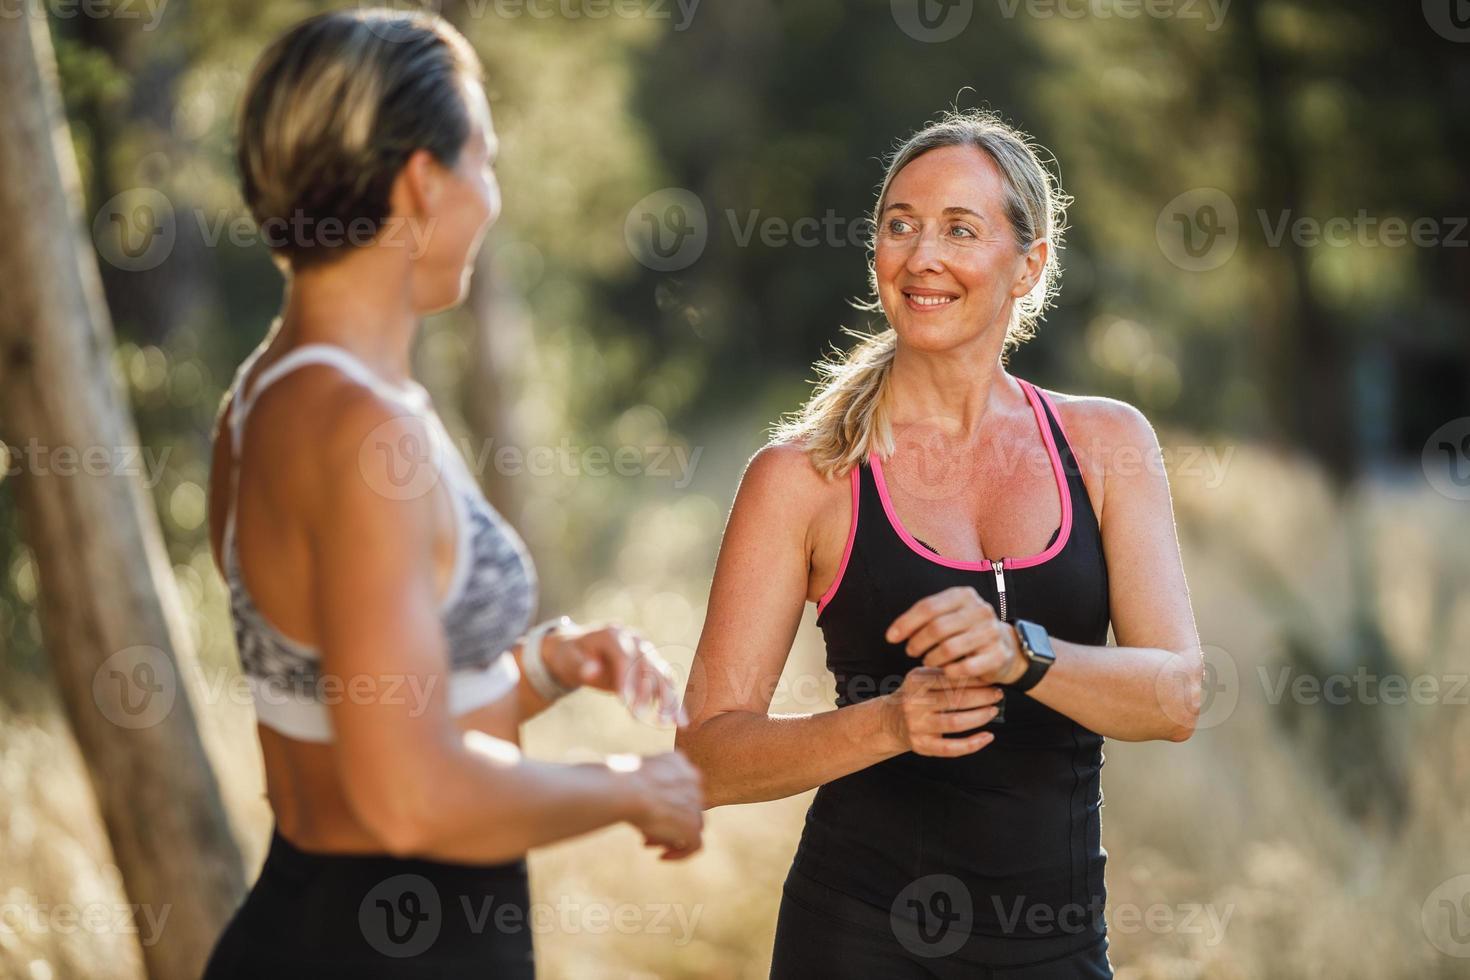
x=960, y=231
x=897, y=226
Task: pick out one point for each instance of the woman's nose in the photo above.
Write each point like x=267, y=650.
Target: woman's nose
x=925, y=255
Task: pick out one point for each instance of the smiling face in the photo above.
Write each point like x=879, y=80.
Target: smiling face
x=947, y=265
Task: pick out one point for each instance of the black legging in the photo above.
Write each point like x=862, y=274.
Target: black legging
x=822, y=935
x=326, y=917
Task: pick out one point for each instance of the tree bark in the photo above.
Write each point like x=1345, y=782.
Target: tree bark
x=109, y=609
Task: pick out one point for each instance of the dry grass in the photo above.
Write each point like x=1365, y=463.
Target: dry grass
x=1235, y=845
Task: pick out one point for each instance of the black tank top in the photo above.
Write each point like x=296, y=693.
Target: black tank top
x=1019, y=822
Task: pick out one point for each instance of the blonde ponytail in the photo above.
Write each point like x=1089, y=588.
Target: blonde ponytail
x=847, y=416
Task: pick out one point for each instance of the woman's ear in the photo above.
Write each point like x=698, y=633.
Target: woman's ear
x=1032, y=269
x=418, y=186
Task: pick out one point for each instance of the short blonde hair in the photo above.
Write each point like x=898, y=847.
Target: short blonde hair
x=332, y=112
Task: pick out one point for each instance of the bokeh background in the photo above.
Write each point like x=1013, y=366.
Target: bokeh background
x=1268, y=255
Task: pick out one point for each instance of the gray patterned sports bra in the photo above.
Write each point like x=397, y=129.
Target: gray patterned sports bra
x=492, y=593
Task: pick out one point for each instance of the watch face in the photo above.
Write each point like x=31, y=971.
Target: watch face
x=1038, y=644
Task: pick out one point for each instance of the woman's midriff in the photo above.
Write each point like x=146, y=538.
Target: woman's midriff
x=303, y=783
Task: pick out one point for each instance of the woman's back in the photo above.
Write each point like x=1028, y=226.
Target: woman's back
x=281, y=422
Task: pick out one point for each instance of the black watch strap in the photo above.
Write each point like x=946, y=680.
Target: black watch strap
x=1036, y=648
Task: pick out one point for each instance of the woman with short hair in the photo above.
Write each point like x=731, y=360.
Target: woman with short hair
x=967, y=540
x=380, y=603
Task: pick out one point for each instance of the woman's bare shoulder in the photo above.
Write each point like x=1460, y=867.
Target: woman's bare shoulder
x=1107, y=423
x=1108, y=436
x=784, y=471
x=783, y=489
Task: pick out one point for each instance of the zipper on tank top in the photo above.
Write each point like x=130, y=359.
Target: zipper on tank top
x=998, y=567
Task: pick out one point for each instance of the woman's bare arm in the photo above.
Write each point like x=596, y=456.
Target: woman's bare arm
x=418, y=784
x=1147, y=687
x=760, y=585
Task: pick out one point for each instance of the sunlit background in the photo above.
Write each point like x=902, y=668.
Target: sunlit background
x=1268, y=255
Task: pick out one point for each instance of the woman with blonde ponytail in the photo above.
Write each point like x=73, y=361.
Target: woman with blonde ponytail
x=967, y=565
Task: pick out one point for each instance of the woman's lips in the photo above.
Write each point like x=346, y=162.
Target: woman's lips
x=926, y=302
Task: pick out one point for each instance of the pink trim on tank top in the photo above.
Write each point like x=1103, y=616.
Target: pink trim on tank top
x=1034, y=397
x=1056, y=415
x=846, y=552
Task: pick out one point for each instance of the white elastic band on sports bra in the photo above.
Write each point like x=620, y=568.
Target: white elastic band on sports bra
x=297, y=714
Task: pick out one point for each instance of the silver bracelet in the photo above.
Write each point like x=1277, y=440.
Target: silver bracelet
x=543, y=682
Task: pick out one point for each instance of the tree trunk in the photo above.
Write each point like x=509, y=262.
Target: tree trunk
x=1314, y=362
x=500, y=350
x=109, y=609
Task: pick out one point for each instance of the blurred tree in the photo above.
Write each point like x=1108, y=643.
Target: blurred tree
x=782, y=139
x=500, y=347
x=124, y=109
x=108, y=604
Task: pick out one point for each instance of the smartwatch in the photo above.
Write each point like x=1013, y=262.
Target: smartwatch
x=1036, y=646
